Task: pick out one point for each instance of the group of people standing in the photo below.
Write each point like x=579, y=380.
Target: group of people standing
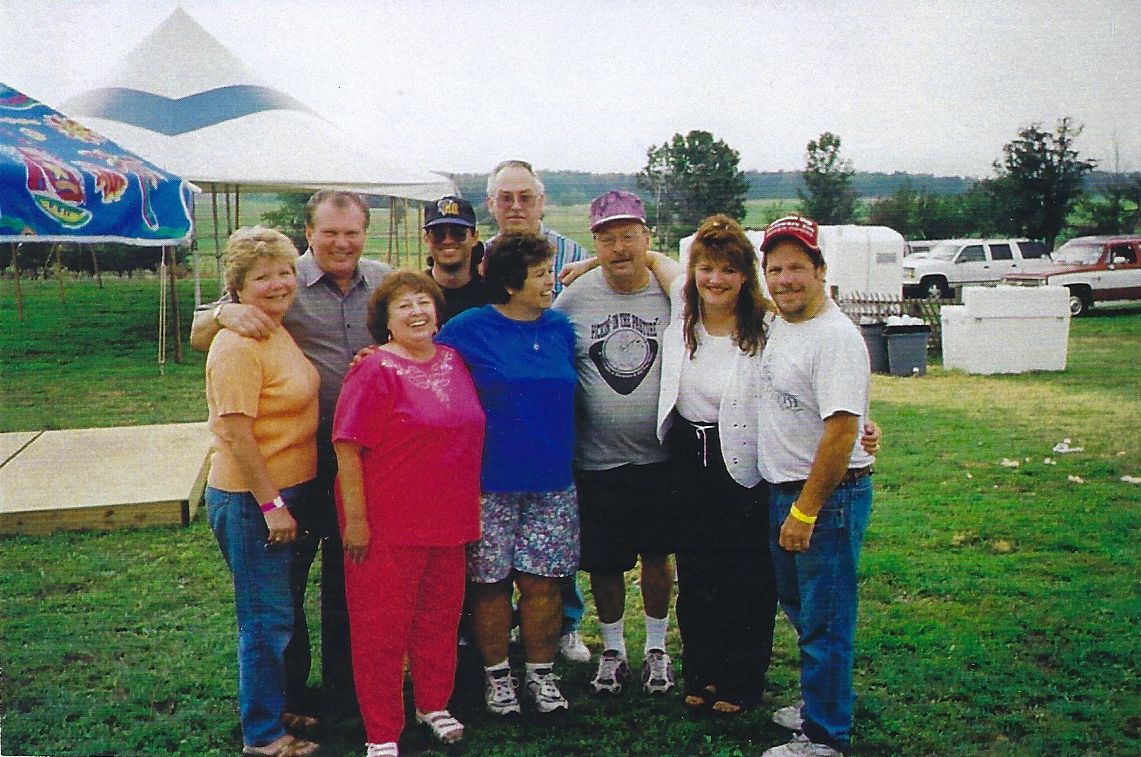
x=498, y=440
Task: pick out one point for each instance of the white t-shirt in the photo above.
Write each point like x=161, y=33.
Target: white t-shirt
x=703, y=379
x=809, y=372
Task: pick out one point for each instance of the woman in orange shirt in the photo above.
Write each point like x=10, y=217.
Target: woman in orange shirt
x=262, y=396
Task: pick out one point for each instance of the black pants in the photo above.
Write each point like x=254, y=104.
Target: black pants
x=726, y=604
x=337, y=687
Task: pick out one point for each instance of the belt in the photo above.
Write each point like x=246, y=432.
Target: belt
x=853, y=475
x=703, y=432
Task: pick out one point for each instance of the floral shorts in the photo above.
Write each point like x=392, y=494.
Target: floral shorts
x=531, y=532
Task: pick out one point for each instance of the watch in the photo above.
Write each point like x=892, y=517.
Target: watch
x=218, y=315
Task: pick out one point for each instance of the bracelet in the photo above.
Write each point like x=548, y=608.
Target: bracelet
x=269, y=507
x=796, y=513
x=218, y=315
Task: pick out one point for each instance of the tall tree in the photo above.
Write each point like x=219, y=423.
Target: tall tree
x=828, y=197
x=1038, y=181
x=1114, y=210
x=689, y=178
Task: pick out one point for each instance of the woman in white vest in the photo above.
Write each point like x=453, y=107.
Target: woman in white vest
x=707, y=417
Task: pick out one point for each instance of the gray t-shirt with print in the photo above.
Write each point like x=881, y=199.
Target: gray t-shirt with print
x=619, y=364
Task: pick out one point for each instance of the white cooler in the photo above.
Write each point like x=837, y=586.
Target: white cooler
x=1007, y=329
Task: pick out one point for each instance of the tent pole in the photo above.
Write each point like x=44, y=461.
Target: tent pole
x=59, y=273
x=419, y=237
x=95, y=266
x=169, y=251
x=217, y=243
x=404, y=216
x=162, y=300
x=195, y=258
x=391, y=225
x=237, y=206
x=19, y=291
x=229, y=228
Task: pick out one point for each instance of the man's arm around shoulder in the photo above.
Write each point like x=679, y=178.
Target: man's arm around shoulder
x=245, y=320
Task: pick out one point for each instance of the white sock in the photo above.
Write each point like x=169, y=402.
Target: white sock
x=656, y=632
x=533, y=668
x=498, y=667
x=613, y=636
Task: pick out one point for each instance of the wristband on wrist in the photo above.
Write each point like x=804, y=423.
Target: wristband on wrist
x=269, y=507
x=796, y=513
x=218, y=315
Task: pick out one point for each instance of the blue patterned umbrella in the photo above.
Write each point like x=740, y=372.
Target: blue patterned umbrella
x=62, y=182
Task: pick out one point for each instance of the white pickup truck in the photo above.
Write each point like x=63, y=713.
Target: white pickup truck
x=956, y=262
x=1094, y=269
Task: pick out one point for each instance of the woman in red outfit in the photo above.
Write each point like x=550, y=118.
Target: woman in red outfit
x=408, y=433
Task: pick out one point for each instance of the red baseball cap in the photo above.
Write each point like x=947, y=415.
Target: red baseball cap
x=803, y=230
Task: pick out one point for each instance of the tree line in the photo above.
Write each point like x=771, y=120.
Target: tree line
x=1040, y=189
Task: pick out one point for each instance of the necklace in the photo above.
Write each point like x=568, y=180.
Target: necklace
x=534, y=335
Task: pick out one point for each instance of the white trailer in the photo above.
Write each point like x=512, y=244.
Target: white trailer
x=863, y=259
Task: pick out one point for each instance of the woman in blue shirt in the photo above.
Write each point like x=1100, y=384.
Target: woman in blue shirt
x=521, y=357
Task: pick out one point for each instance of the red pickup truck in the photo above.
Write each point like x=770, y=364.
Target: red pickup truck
x=1094, y=269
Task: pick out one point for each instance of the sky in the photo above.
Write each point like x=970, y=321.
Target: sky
x=926, y=86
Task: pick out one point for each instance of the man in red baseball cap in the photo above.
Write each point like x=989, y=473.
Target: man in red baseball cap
x=815, y=383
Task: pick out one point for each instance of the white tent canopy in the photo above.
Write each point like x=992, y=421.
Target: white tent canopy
x=184, y=101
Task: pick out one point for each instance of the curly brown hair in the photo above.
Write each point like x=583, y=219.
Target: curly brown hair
x=720, y=238
x=392, y=286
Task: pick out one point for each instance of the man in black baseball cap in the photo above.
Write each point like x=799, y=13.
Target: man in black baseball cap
x=455, y=251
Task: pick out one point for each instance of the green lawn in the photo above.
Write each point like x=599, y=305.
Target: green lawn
x=999, y=611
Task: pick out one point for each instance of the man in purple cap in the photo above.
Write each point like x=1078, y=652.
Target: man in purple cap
x=619, y=312
x=455, y=252
x=814, y=389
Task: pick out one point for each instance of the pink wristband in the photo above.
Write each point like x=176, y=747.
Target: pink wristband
x=269, y=507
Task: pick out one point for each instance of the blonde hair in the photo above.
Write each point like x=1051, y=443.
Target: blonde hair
x=246, y=247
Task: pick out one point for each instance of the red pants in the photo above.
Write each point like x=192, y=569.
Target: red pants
x=403, y=601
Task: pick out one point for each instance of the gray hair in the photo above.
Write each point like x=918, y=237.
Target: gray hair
x=493, y=177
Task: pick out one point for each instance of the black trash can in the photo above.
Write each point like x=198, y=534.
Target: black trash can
x=907, y=349
x=877, y=346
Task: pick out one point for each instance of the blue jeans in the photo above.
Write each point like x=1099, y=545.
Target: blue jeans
x=573, y=603
x=817, y=590
x=263, y=600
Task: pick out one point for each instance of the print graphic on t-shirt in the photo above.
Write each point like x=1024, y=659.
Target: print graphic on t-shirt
x=623, y=348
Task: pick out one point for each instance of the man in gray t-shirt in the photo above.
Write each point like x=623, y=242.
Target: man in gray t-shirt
x=619, y=313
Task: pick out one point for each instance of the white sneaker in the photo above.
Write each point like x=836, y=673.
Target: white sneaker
x=790, y=717
x=544, y=690
x=499, y=693
x=387, y=749
x=572, y=648
x=801, y=746
x=657, y=672
x=613, y=673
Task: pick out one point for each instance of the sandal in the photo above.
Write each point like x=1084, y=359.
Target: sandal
x=387, y=749
x=699, y=702
x=286, y=746
x=445, y=728
x=298, y=724
x=725, y=707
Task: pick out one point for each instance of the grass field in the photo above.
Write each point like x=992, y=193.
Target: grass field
x=999, y=604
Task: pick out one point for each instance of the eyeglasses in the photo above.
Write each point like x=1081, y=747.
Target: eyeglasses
x=508, y=199
x=444, y=231
x=609, y=240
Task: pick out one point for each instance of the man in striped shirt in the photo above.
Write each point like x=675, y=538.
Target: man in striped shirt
x=516, y=198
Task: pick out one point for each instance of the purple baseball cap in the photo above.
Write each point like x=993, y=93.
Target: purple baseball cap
x=616, y=205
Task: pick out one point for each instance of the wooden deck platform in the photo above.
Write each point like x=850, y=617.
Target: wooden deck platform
x=102, y=478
